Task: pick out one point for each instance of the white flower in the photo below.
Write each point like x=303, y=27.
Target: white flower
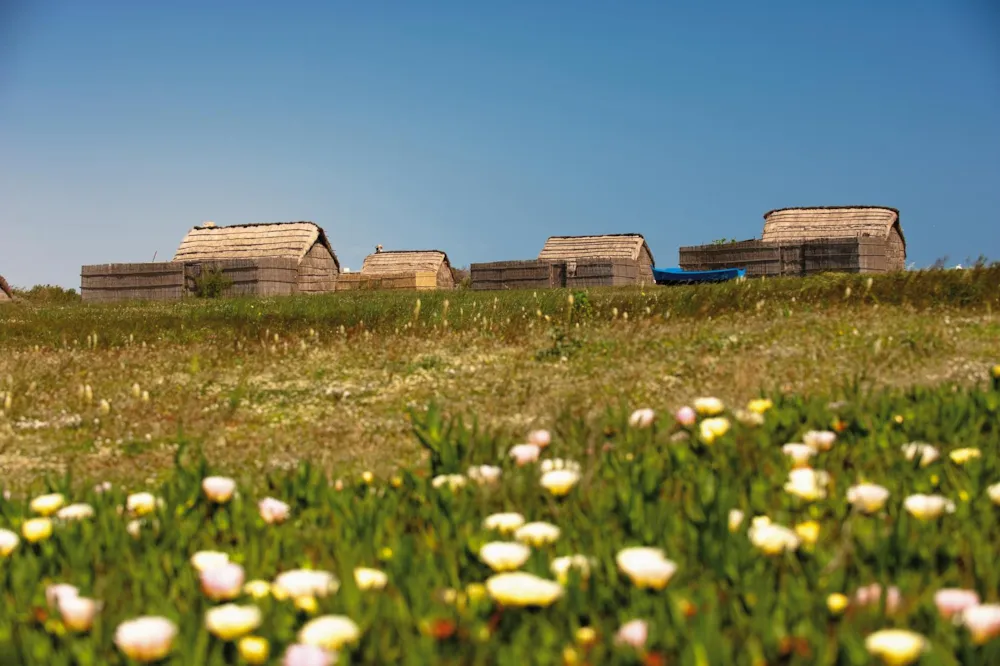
x=993, y=492
x=452, y=481
x=983, y=622
x=504, y=555
x=523, y=589
x=141, y=504
x=867, y=497
x=540, y=438
x=504, y=523
x=208, y=559
x=925, y=453
x=820, y=440
x=54, y=592
x=273, y=511
x=897, y=647
x=222, y=582
x=772, y=539
x=561, y=566
x=928, y=507
x=807, y=484
x=709, y=406
x=8, y=542
x=485, y=475
x=537, y=534
x=330, y=632
x=77, y=612
x=735, y=519
x=642, y=418
x=218, y=489
x=308, y=655
x=230, y=621
x=560, y=481
x=525, y=453
x=304, y=583
x=370, y=579
x=75, y=512
x=558, y=464
x=799, y=453
x=646, y=567
x=146, y=639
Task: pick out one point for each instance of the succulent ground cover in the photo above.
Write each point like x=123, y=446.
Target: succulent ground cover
x=197, y=484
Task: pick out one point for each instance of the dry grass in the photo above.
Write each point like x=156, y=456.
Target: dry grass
x=339, y=396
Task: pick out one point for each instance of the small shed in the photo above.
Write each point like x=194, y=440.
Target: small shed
x=790, y=226
x=6, y=293
x=574, y=249
x=402, y=269
x=304, y=242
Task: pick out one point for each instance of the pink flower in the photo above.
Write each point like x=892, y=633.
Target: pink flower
x=525, y=453
x=633, y=633
x=103, y=487
x=686, y=416
x=872, y=595
x=540, y=438
x=223, y=582
x=983, y=622
x=951, y=601
x=273, y=511
x=54, y=592
x=307, y=655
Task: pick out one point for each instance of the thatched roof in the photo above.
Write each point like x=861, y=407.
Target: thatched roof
x=290, y=240
x=404, y=261
x=6, y=293
x=627, y=246
x=798, y=224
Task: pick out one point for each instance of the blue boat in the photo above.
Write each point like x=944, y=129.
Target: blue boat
x=679, y=276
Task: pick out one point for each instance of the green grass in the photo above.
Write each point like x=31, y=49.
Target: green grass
x=334, y=385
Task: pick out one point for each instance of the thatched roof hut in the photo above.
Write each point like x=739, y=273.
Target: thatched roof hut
x=794, y=225
x=304, y=242
x=6, y=293
x=402, y=269
x=571, y=249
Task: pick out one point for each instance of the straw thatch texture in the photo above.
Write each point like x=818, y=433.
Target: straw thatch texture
x=401, y=263
x=288, y=240
x=6, y=293
x=573, y=249
x=795, y=225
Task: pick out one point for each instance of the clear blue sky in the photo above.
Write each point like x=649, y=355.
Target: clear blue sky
x=481, y=128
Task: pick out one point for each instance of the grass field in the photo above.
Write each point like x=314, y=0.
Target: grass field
x=343, y=479
x=266, y=383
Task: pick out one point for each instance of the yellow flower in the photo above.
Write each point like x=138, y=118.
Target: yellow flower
x=735, y=519
x=36, y=529
x=837, y=603
x=475, y=592
x=993, y=491
x=523, y=589
x=709, y=406
x=254, y=649
x=330, y=632
x=760, y=405
x=504, y=556
x=505, y=523
x=808, y=532
x=367, y=477
x=370, y=579
x=898, y=418
x=570, y=656
x=962, y=456
x=713, y=428
x=560, y=481
x=537, y=534
x=258, y=589
x=996, y=371
x=306, y=603
x=141, y=504
x=229, y=622
x=896, y=647
x=586, y=636
x=396, y=481
x=46, y=505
